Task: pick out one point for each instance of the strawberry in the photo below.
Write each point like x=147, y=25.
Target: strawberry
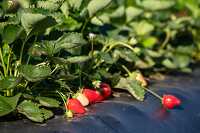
x=92, y=95
x=104, y=88
x=170, y=101
x=82, y=99
x=75, y=106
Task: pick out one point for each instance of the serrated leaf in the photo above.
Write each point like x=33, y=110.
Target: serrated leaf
x=31, y=111
x=133, y=87
x=65, y=8
x=49, y=4
x=132, y=12
x=96, y=5
x=46, y=113
x=169, y=64
x=8, y=104
x=142, y=28
x=77, y=59
x=48, y=102
x=182, y=60
x=157, y=4
x=70, y=40
x=106, y=57
x=118, y=13
x=9, y=83
x=11, y=33
x=35, y=23
x=34, y=73
x=128, y=55
x=75, y=4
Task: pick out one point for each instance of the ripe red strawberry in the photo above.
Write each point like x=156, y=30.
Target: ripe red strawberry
x=75, y=106
x=92, y=95
x=104, y=88
x=170, y=101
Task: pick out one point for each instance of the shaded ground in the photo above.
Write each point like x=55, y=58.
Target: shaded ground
x=125, y=115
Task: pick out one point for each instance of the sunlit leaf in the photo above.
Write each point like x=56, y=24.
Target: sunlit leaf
x=48, y=102
x=157, y=4
x=133, y=87
x=96, y=5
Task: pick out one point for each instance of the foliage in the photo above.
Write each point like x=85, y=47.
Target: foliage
x=49, y=46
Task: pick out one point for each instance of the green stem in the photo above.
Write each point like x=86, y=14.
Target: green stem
x=22, y=50
x=84, y=25
x=167, y=38
x=153, y=93
x=8, y=63
x=54, y=69
x=92, y=48
x=2, y=76
x=3, y=64
x=126, y=69
x=120, y=44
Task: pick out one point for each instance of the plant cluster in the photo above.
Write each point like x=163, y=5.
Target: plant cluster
x=51, y=46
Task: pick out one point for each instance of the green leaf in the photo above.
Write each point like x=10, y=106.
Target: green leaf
x=9, y=83
x=169, y=64
x=11, y=33
x=46, y=113
x=133, y=87
x=157, y=4
x=65, y=8
x=118, y=13
x=149, y=42
x=31, y=111
x=132, y=12
x=142, y=28
x=51, y=5
x=70, y=40
x=77, y=59
x=8, y=104
x=35, y=23
x=75, y=4
x=128, y=55
x=95, y=6
x=182, y=60
x=34, y=73
x=24, y=3
x=106, y=57
x=48, y=102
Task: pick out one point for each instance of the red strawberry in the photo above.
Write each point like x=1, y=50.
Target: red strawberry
x=104, y=88
x=75, y=106
x=92, y=95
x=170, y=101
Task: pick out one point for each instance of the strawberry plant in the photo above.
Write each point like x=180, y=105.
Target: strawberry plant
x=50, y=46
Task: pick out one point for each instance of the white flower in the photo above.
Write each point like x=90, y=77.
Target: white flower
x=92, y=36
